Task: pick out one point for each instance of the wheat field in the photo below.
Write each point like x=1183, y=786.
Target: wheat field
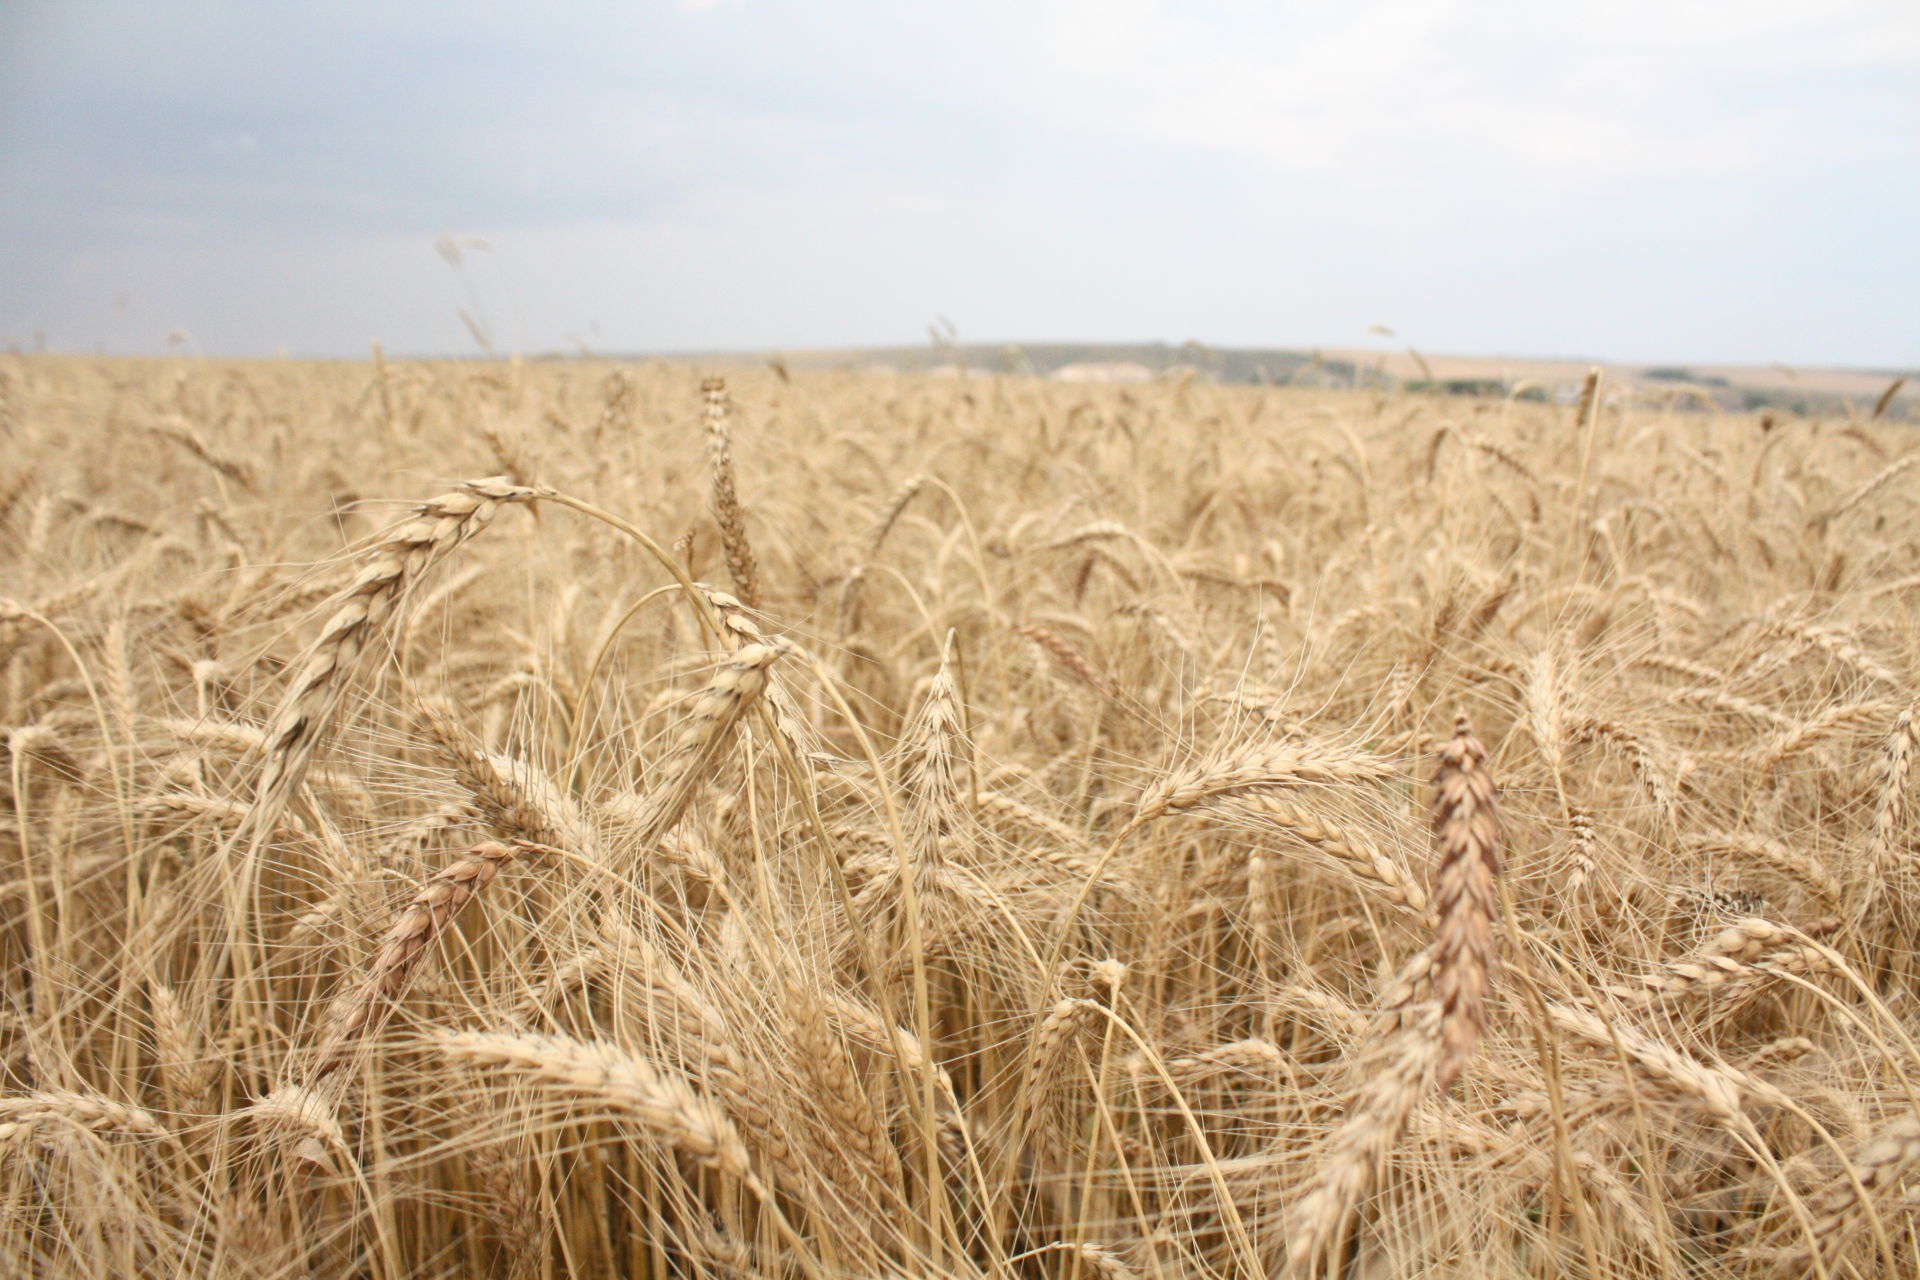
x=570, y=820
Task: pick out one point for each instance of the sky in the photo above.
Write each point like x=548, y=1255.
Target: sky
x=1629, y=180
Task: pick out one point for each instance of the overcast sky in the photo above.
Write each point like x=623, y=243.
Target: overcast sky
x=1633, y=180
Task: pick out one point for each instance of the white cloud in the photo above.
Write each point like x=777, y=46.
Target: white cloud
x=1678, y=179
x=1599, y=91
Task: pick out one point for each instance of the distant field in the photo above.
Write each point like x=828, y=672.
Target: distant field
x=560, y=819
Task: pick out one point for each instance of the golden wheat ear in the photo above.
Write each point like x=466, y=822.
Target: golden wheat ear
x=368, y=607
x=406, y=944
x=1434, y=1014
x=727, y=511
x=1466, y=874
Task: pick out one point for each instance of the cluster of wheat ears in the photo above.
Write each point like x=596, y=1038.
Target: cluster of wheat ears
x=838, y=826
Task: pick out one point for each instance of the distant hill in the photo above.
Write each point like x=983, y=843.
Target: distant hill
x=1044, y=359
x=1729, y=387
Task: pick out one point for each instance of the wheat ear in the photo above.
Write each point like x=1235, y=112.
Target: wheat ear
x=187, y=1071
x=895, y=505
x=1346, y=851
x=370, y=603
x=1435, y=1014
x=933, y=754
x=591, y=1071
x=1466, y=836
x=1071, y=659
x=406, y=943
x=1890, y=809
x=726, y=500
x=1876, y=1167
x=1259, y=768
x=517, y=800
x=709, y=726
x=85, y=1110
